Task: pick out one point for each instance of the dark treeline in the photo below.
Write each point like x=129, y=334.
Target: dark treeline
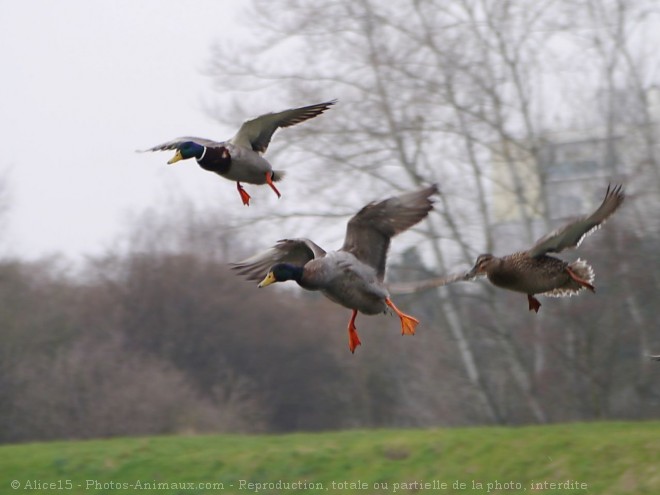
x=167, y=339
x=155, y=339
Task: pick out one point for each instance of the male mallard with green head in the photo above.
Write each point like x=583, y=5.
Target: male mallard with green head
x=353, y=275
x=240, y=158
x=534, y=272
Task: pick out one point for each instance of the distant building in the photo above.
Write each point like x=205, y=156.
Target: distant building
x=566, y=173
x=573, y=169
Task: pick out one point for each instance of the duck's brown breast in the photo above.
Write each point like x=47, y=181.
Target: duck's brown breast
x=529, y=275
x=216, y=160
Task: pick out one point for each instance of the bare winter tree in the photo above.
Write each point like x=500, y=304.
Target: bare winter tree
x=625, y=109
x=98, y=388
x=464, y=94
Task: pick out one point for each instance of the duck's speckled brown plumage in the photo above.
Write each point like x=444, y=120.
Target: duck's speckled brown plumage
x=535, y=272
x=541, y=275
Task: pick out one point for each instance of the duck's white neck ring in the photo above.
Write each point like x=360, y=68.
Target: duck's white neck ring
x=203, y=153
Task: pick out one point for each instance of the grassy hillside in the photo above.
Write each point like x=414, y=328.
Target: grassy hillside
x=596, y=458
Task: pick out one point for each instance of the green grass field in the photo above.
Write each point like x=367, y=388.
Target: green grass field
x=594, y=458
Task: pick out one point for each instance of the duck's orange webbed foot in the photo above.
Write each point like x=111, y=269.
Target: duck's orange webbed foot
x=579, y=280
x=269, y=181
x=534, y=303
x=245, y=197
x=408, y=323
x=353, y=339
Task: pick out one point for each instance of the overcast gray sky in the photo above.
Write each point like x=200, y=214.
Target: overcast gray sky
x=86, y=83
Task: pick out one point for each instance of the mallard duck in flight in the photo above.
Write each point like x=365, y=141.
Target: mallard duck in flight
x=353, y=275
x=534, y=272
x=240, y=158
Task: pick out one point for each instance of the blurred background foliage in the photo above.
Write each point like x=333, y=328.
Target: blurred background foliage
x=521, y=111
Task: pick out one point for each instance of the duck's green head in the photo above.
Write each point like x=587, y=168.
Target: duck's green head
x=189, y=149
x=281, y=273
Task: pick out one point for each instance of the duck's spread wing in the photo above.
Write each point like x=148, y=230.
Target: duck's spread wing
x=572, y=234
x=295, y=251
x=175, y=143
x=369, y=232
x=256, y=133
x=415, y=286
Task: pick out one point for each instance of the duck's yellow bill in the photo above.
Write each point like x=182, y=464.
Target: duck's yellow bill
x=270, y=279
x=175, y=158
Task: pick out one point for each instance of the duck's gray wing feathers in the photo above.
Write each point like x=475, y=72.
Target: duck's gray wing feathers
x=369, y=232
x=295, y=251
x=256, y=133
x=572, y=234
x=415, y=286
x=175, y=143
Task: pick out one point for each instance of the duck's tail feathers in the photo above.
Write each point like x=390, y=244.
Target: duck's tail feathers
x=582, y=270
x=278, y=175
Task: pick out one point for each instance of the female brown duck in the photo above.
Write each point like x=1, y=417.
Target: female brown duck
x=352, y=276
x=534, y=272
